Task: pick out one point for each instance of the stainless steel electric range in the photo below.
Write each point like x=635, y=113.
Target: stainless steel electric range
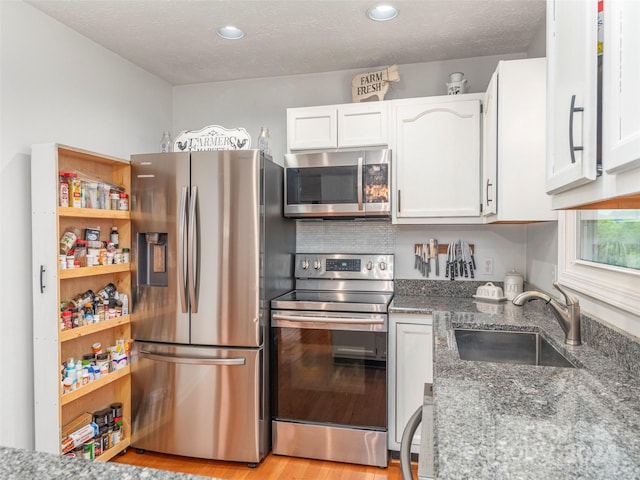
x=330, y=359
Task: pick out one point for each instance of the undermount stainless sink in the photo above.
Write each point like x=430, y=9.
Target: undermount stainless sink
x=525, y=348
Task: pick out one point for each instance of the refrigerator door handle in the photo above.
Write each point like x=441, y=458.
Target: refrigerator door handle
x=193, y=250
x=182, y=250
x=163, y=357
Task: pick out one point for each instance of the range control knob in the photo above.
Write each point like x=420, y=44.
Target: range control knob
x=317, y=264
x=305, y=264
x=383, y=266
x=369, y=265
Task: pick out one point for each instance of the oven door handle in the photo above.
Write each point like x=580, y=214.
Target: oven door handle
x=325, y=320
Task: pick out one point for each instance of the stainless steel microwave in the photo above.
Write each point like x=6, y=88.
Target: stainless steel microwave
x=338, y=184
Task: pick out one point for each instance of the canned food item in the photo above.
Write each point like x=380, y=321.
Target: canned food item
x=89, y=450
x=84, y=298
x=107, y=291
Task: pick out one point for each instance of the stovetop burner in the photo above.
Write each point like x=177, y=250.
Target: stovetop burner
x=340, y=283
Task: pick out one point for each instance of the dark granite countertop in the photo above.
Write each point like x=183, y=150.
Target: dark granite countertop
x=26, y=464
x=499, y=421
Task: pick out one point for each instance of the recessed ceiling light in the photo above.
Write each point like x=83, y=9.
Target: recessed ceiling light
x=230, y=33
x=382, y=13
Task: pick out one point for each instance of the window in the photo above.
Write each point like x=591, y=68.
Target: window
x=610, y=237
x=599, y=255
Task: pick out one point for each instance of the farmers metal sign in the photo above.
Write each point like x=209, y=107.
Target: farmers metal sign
x=213, y=137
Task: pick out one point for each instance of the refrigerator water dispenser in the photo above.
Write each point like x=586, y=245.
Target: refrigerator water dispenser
x=152, y=259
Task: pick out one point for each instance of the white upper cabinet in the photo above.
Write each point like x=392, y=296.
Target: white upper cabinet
x=514, y=144
x=621, y=81
x=572, y=93
x=490, y=148
x=338, y=126
x=572, y=33
x=437, y=151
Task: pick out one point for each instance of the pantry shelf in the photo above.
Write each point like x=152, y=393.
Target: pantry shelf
x=91, y=271
x=54, y=287
x=93, y=213
x=74, y=333
x=114, y=451
x=95, y=385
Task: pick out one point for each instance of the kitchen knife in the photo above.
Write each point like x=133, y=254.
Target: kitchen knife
x=446, y=265
x=425, y=257
x=433, y=249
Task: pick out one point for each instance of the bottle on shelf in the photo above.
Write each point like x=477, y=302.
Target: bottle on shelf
x=75, y=190
x=63, y=189
x=114, y=236
x=264, y=141
x=165, y=142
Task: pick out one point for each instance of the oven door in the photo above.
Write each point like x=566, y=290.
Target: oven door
x=330, y=368
x=337, y=184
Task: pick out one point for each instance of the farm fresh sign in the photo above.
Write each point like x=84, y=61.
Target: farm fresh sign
x=365, y=86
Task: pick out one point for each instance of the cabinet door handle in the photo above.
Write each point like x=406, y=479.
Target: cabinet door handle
x=42, y=285
x=489, y=184
x=572, y=111
x=399, y=202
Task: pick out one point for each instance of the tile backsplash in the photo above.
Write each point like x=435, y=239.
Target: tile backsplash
x=349, y=236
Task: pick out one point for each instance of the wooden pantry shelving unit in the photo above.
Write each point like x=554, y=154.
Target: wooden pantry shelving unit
x=51, y=286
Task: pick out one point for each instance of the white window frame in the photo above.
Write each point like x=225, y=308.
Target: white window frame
x=615, y=286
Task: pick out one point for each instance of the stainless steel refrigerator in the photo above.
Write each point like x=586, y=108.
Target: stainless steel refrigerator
x=211, y=249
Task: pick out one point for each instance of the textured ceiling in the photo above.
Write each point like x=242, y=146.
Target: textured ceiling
x=176, y=39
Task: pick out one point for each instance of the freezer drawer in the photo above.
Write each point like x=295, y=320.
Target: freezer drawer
x=199, y=402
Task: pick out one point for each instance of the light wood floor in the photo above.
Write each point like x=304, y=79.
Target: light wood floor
x=274, y=467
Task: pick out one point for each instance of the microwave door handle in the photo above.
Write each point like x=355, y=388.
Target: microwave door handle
x=360, y=206
x=182, y=249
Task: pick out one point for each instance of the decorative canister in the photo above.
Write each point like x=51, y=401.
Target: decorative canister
x=513, y=284
x=457, y=84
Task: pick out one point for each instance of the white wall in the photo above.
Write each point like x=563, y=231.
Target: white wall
x=538, y=46
x=263, y=102
x=542, y=255
x=56, y=86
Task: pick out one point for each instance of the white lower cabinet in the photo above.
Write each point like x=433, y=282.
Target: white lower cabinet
x=410, y=367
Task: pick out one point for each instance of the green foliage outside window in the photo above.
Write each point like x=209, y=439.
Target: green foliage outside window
x=611, y=237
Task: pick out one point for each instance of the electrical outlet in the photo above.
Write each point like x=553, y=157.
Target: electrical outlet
x=487, y=266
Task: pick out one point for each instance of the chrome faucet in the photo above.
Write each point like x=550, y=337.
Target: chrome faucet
x=568, y=316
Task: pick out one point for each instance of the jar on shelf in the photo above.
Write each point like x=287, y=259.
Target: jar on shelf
x=113, y=199
x=123, y=202
x=68, y=239
x=80, y=253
